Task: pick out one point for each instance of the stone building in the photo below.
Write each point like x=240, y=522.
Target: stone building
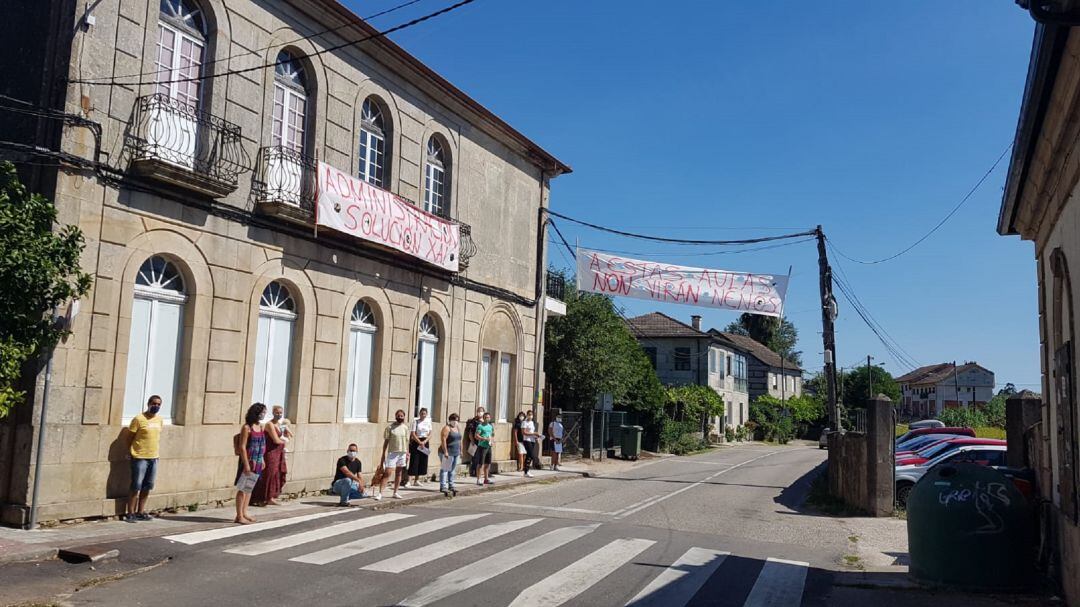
x=683, y=354
x=929, y=390
x=1040, y=205
x=182, y=137
x=769, y=373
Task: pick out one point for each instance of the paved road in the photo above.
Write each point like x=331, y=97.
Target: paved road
x=718, y=529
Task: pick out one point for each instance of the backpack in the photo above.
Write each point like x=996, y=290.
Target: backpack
x=237, y=443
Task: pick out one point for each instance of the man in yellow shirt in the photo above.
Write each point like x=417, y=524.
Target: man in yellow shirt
x=145, y=435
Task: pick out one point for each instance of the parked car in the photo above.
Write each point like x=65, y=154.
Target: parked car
x=922, y=431
x=921, y=442
x=946, y=446
x=907, y=476
x=926, y=423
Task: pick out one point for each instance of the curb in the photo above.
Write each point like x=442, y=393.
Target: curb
x=38, y=553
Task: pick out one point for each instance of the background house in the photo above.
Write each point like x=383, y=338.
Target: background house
x=769, y=373
x=928, y=390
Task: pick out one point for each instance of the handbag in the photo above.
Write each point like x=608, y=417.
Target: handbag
x=472, y=449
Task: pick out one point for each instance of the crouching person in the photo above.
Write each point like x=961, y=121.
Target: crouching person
x=348, y=484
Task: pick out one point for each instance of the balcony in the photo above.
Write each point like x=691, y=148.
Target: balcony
x=556, y=295
x=283, y=184
x=170, y=141
x=740, y=384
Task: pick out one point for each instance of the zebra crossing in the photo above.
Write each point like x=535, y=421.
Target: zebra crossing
x=454, y=559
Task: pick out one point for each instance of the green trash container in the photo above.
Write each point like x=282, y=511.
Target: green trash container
x=631, y=441
x=970, y=527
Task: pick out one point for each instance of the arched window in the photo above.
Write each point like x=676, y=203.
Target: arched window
x=436, y=199
x=180, y=47
x=427, y=350
x=273, y=346
x=362, y=330
x=372, y=143
x=290, y=103
x=157, y=322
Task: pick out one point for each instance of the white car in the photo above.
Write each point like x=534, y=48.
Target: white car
x=907, y=476
x=926, y=423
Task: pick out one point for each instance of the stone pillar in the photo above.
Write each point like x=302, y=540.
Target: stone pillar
x=1022, y=411
x=880, y=456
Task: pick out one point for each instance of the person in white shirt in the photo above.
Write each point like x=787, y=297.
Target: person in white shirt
x=529, y=436
x=419, y=447
x=555, y=434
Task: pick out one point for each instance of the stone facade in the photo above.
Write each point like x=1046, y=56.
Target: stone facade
x=228, y=251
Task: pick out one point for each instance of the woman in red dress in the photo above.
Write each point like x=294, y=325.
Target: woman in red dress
x=272, y=479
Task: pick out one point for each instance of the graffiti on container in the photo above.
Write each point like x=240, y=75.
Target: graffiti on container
x=956, y=495
x=991, y=499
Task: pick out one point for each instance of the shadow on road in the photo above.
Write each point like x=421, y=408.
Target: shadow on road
x=794, y=495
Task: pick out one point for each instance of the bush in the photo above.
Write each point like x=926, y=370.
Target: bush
x=772, y=423
x=687, y=443
x=963, y=418
x=673, y=431
x=729, y=434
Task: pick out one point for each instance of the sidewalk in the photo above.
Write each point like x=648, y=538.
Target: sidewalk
x=17, y=545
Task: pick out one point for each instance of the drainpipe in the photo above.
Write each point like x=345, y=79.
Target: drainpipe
x=40, y=440
x=541, y=310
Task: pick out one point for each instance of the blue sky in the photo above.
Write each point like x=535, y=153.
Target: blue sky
x=732, y=120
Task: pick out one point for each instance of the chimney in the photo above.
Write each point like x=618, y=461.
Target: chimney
x=695, y=321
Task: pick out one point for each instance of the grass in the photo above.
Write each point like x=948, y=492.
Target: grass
x=901, y=429
x=980, y=432
x=853, y=561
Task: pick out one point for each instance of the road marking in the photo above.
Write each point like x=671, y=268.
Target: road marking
x=451, y=545
x=497, y=564
x=374, y=542
x=296, y=539
x=634, y=508
x=198, y=537
x=677, y=584
x=554, y=508
x=581, y=575
x=780, y=584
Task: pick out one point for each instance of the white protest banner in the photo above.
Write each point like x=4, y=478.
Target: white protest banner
x=740, y=291
x=353, y=206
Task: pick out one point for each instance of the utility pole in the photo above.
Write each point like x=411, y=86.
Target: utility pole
x=828, y=337
x=956, y=384
x=870, y=376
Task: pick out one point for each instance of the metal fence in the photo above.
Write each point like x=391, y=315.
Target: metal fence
x=858, y=421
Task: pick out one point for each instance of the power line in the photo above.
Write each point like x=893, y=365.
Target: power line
x=322, y=32
x=939, y=224
x=897, y=356
x=112, y=81
x=710, y=253
x=679, y=240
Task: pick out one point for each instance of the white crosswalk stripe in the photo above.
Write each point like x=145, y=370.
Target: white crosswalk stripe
x=677, y=584
x=296, y=539
x=198, y=537
x=494, y=565
x=581, y=575
x=780, y=584
x=367, y=544
x=438, y=550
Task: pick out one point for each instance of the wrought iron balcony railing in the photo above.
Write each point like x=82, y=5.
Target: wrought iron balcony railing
x=556, y=286
x=285, y=178
x=172, y=141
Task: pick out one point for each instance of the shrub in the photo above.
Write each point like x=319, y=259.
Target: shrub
x=772, y=423
x=729, y=434
x=673, y=431
x=687, y=443
x=963, y=418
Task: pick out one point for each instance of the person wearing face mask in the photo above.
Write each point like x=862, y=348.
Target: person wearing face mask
x=348, y=484
x=419, y=447
x=528, y=439
x=516, y=439
x=449, y=455
x=485, y=436
x=395, y=451
x=272, y=480
x=555, y=433
x=145, y=430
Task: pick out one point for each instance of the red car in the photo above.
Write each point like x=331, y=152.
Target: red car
x=944, y=447
x=922, y=431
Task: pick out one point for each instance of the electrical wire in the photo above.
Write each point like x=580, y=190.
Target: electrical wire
x=711, y=253
x=939, y=224
x=892, y=350
x=113, y=81
x=679, y=240
x=322, y=32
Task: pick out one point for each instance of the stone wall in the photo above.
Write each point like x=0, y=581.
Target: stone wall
x=861, y=464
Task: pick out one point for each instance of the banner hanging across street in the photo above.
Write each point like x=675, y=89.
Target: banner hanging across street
x=739, y=291
x=353, y=206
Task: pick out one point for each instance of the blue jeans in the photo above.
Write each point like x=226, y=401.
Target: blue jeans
x=347, y=489
x=143, y=474
x=446, y=477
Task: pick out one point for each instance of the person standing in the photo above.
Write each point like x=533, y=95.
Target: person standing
x=449, y=455
x=516, y=439
x=347, y=483
x=395, y=452
x=272, y=479
x=528, y=439
x=555, y=434
x=485, y=433
x=419, y=447
x=145, y=429
x=250, y=445
x=470, y=438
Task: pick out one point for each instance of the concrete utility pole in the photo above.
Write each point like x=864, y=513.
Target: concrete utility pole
x=828, y=337
x=870, y=376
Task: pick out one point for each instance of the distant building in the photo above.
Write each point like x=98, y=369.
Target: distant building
x=683, y=354
x=929, y=390
x=769, y=372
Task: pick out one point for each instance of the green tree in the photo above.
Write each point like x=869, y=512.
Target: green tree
x=693, y=402
x=857, y=386
x=39, y=270
x=778, y=335
x=590, y=352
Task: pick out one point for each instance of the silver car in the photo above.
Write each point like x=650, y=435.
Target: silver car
x=907, y=476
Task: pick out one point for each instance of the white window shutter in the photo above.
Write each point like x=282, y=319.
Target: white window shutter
x=427, y=375
x=262, y=354
x=164, y=355
x=504, y=387
x=361, y=349
x=138, y=347
x=280, y=355
x=485, y=380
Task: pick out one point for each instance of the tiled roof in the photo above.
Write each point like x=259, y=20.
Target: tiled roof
x=757, y=349
x=656, y=324
x=935, y=374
